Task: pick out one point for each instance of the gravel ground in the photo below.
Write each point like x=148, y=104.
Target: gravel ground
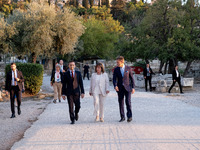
x=160, y=122
x=12, y=130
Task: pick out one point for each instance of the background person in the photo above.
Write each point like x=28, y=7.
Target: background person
x=99, y=88
x=73, y=89
x=86, y=71
x=14, y=80
x=176, y=77
x=148, y=76
x=56, y=82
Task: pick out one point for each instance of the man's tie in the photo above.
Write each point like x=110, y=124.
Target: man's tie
x=15, y=79
x=72, y=74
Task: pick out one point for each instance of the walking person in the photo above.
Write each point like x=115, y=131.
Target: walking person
x=176, y=77
x=73, y=89
x=99, y=88
x=124, y=85
x=147, y=73
x=56, y=82
x=86, y=71
x=62, y=68
x=14, y=80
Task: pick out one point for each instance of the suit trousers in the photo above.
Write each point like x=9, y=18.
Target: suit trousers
x=73, y=99
x=57, y=87
x=179, y=83
x=121, y=94
x=148, y=78
x=15, y=92
x=99, y=105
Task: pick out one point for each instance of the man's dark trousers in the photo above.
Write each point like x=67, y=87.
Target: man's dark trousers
x=15, y=92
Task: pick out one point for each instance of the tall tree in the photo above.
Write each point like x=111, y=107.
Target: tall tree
x=85, y=4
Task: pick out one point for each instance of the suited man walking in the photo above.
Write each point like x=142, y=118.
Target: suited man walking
x=73, y=89
x=176, y=77
x=124, y=85
x=147, y=73
x=14, y=80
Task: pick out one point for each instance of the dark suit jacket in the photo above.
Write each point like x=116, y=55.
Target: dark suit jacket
x=9, y=80
x=174, y=76
x=127, y=81
x=72, y=86
x=53, y=76
x=145, y=72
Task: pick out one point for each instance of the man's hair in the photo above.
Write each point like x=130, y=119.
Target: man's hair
x=72, y=61
x=13, y=64
x=121, y=58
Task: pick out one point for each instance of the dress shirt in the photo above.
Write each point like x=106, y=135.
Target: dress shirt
x=13, y=78
x=73, y=73
x=148, y=74
x=122, y=69
x=177, y=73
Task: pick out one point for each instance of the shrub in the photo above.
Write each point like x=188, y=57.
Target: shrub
x=140, y=64
x=33, y=76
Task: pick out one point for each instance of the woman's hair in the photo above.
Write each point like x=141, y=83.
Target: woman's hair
x=99, y=65
x=58, y=66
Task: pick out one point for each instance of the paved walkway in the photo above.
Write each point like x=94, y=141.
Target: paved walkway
x=160, y=122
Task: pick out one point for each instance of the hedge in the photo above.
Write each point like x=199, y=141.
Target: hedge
x=33, y=76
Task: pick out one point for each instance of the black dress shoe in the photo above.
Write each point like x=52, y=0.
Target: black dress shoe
x=129, y=120
x=76, y=117
x=59, y=100
x=182, y=93
x=168, y=91
x=12, y=116
x=73, y=122
x=19, y=112
x=123, y=119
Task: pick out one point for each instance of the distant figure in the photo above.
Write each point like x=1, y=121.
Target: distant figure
x=176, y=77
x=86, y=71
x=99, y=88
x=62, y=68
x=148, y=76
x=73, y=89
x=124, y=85
x=56, y=82
x=14, y=80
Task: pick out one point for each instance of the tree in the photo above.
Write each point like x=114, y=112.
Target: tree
x=91, y=3
x=42, y=30
x=85, y=4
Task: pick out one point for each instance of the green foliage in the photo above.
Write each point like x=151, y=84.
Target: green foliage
x=33, y=75
x=140, y=64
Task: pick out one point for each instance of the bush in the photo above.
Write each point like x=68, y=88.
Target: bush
x=33, y=76
x=140, y=64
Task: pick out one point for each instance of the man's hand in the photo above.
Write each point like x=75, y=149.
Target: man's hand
x=90, y=94
x=145, y=77
x=82, y=95
x=64, y=97
x=107, y=92
x=51, y=84
x=133, y=91
x=174, y=80
x=17, y=79
x=63, y=71
x=6, y=92
x=116, y=89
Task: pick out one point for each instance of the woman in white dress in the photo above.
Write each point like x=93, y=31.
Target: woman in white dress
x=99, y=88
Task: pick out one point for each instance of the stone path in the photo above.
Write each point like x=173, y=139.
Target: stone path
x=160, y=123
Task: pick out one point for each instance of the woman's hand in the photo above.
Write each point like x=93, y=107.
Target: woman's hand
x=107, y=92
x=51, y=84
x=90, y=94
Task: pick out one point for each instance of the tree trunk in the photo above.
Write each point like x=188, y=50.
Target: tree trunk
x=161, y=66
x=171, y=66
x=187, y=68
x=34, y=58
x=165, y=69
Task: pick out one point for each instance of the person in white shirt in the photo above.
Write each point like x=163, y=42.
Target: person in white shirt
x=56, y=82
x=176, y=78
x=61, y=66
x=99, y=88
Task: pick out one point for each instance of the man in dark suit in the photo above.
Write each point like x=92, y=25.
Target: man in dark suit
x=124, y=85
x=176, y=77
x=148, y=76
x=14, y=80
x=73, y=89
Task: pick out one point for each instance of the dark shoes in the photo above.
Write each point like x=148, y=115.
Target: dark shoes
x=19, y=112
x=182, y=93
x=54, y=101
x=12, y=116
x=59, y=101
x=122, y=119
x=129, y=120
x=73, y=122
x=76, y=117
x=168, y=91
